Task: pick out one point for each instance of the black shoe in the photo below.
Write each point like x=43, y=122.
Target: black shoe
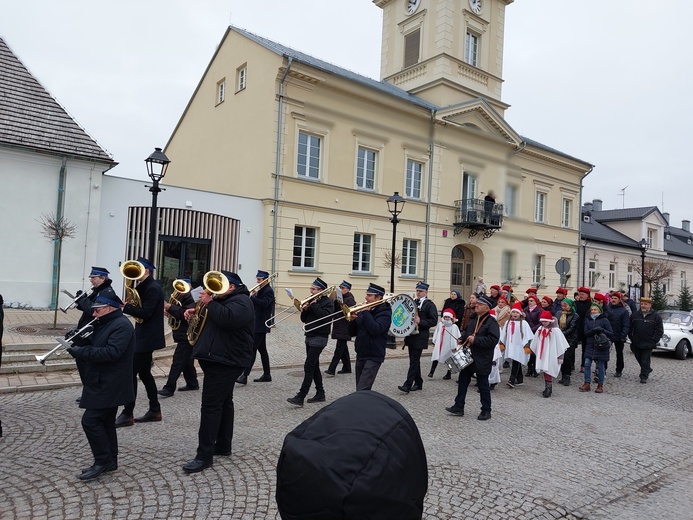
x=297, y=400
x=511, y=384
x=447, y=376
x=520, y=382
x=242, y=379
x=506, y=364
x=484, y=416
x=96, y=470
x=221, y=453
x=78, y=399
x=344, y=371
x=547, y=391
x=565, y=380
x=124, y=420
x=187, y=388
x=454, y=410
x=319, y=397
x=264, y=378
x=430, y=374
x=415, y=387
x=112, y=466
x=149, y=417
x=643, y=380
x=196, y=465
x=617, y=374
x=492, y=386
x=404, y=388
x=329, y=372
x=165, y=392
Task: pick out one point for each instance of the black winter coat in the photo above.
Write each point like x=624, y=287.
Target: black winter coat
x=149, y=335
x=583, y=311
x=428, y=314
x=370, y=328
x=592, y=326
x=85, y=303
x=646, y=330
x=570, y=332
x=485, y=341
x=619, y=317
x=340, y=328
x=263, y=302
x=180, y=335
x=107, y=362
x=456, y=305
x=317, y=310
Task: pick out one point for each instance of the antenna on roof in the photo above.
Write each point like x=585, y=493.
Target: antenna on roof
x=623, y=194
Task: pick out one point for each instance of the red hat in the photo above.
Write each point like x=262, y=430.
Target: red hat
x=562, y=290
x=546, y=315
x=517, y=306
x=503, y=298
x=584, y=289
x=533, y=297
x=600, y=297
x=507, y=288
x=450, y=313
x=496, y=287
x=492, y=313
x=616, y=294
x=532, y=290
x=547, y=300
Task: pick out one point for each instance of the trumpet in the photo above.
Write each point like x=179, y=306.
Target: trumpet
x=347, y=313
x=74, y=299
x=132, y=270
x=264, y=282
x=180, y=287
x=272, y=322
x=64, y=344
x=215, y=283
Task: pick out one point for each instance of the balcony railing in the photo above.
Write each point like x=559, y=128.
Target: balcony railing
x=478, y=215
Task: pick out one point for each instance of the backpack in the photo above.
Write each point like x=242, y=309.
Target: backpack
x=601, y=341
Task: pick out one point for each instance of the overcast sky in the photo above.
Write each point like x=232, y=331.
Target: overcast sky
x=606, y=82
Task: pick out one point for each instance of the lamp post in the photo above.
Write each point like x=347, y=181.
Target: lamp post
x=395, y=204
x=643, y=248
x=157, y=163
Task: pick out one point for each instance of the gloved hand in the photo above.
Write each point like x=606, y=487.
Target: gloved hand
x=528, y=351
x=598, y=329
x=70, y=333
x=501, y=347
x=72, y=351
x=79, y=341
x=79, y=293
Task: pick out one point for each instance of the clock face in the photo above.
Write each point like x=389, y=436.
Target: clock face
x=412, y=5
x=475, y=5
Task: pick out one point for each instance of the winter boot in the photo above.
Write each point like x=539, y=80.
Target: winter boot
x=585, y=387
x=600, y=389
x=548, y=388
x=565, y=380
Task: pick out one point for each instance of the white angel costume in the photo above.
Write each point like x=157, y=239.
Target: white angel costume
x=516, y=334
x=444, y=340
x=549, y=344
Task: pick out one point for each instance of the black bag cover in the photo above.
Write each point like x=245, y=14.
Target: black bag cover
x=360, y=457
x=601, y=341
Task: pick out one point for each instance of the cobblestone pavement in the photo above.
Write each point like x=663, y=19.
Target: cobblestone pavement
x=623, y=454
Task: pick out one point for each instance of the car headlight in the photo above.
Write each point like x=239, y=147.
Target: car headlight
x=666, y=338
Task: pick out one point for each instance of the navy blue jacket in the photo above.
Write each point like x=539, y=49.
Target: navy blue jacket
x=85, y=303
x=263, y=301
x=370, y=328
x=318, y=310
x=149, y=335
x=180, y=335
x=428, y=314
x=340, y=327
x=619, y=317
x=600, y=324
x=485, y=342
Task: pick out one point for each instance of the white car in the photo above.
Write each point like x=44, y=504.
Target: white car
x=678, y=333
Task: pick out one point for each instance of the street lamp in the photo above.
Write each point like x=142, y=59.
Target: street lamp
x=157, y=163
x=643, y=248
x=395, y=204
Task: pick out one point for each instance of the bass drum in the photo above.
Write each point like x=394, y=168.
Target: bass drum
x=403, y=313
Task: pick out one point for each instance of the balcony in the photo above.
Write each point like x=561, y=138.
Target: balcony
x=477, y=215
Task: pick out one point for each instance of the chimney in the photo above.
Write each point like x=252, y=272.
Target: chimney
x=666, y=217
x=686, y=225
x=597, y=204
x=588, y=207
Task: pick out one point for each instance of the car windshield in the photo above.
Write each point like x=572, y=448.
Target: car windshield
x=676, y=318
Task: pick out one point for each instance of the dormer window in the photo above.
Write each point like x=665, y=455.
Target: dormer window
x=585, y=218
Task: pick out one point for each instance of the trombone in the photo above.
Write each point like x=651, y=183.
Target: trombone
x=347, y=313
x=215, y=283
x=74, y=299
x=64, y=344
x=180, y=287
x=272, y=322
x=132, y=270
x=264, y=282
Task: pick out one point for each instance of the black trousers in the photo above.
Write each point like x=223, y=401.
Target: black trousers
x=619, y=355
x=643, y=357
x=142, y=366
x=99, y=427
x=260, y=346
x=366, y=372
x=216, y=412
x=516, y=372
x=341, y=353
x=182, y=363
x=568, y=364
x=311, y=368
x=482, y=383
x=414, y=372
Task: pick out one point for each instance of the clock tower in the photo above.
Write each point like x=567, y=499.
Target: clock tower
x=445, y=51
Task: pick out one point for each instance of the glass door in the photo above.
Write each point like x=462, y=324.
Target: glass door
x=182, y=258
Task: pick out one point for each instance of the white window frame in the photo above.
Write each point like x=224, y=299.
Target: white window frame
x=362, y=253
x=469, y=185
x=538, y=270
x=612, y=275
x=410, y=251
x=511, y=191
x=241, y=77
x=566, y=213
x=414, y=169
x=362, y=171
x=629, y=276
x=471, y=48
x=592, y=273
x=221, y=91
x=508, y=266
x=309, y=170
x=540, y=199
x=651, y=237
x=307, y=261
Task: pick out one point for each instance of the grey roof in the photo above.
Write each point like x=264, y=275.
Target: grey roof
x=612, y=215
x=597, y=232
x=30, y=117
x=532, y=142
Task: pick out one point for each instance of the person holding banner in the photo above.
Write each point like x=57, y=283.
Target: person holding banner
x=427, y=317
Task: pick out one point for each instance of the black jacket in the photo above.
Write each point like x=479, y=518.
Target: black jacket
x=85, y=303
x=428, y=314
x=570, y=332
x=107, y=363
x=227, y=337
x=263, y=302
x=457, y=305
x=593, y=326
x=149, y=335
x=370, y=328
x=485, y=341
x=180, y=335
x=619, y=317
x=321, y=308
x=646, y=331
x=340, y=328
x=583, y=310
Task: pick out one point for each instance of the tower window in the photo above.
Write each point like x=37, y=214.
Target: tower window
x=412, y=43
x=471, y=51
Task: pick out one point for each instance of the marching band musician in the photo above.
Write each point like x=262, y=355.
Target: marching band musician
x=107, y=379
x=481, y=335
x=149, y=336
x=426, y=318
x=370, y=328
x=263, y=301
x=224, y=350
x=182, y=361
x=316, y=340
x=340, y=332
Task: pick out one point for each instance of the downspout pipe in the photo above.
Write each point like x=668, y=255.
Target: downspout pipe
x=56, y=242
x=581, y=257
x=431, y=149
x=277, y=167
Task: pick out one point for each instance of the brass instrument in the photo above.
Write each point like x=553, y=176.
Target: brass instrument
x=346, y=313
x=264, y=282
x=64, y=344
x=132, y=270
x=329, y=292
x=215, y=283
x=180, y=287
x=74, y=299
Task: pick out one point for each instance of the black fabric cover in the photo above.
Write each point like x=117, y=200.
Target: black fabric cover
x=361, y=457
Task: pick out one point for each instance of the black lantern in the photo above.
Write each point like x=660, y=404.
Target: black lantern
x=157, y=163
x=395, y=204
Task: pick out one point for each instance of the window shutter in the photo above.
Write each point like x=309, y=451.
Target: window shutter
x=412, y=43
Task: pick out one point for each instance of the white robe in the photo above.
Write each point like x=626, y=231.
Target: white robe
x=516, y=342
x=494, y=377
x=549, y=344
x=444, y=341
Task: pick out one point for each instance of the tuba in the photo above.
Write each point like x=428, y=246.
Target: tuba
x=180, y=287
x=132, y=270
x=215, y=283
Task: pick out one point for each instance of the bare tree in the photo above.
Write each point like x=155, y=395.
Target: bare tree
x=57, y=229
x=387, y=259
x=655, y=271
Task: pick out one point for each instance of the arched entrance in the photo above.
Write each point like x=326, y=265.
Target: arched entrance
x=461, y=269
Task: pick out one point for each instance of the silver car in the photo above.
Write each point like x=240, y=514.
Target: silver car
x=678, y=333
